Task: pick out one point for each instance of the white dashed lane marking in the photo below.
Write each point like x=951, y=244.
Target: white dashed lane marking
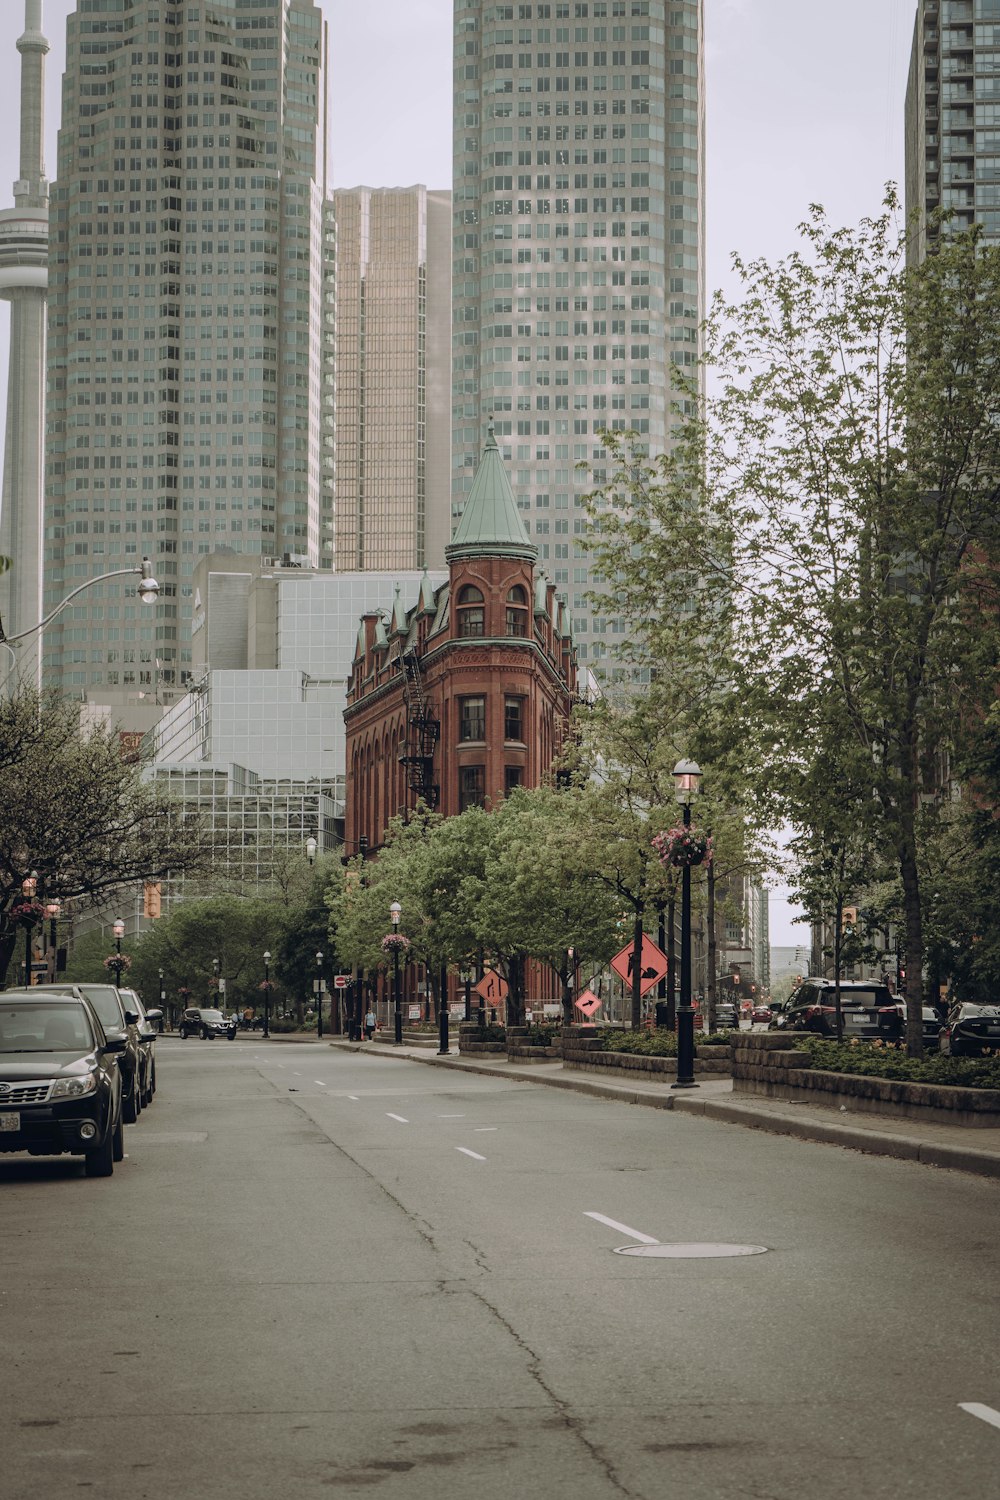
x=644, y=1239
x=401, y=1118
x=474, y=1154
x=984, y=1413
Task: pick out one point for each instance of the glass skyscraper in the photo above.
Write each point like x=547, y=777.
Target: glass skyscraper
x=578, y=261
x=952, y=132
x=184, y=368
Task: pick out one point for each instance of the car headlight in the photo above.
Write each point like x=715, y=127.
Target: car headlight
x=74, y=1088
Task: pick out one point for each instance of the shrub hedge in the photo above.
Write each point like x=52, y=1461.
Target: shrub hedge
x=884, y=1060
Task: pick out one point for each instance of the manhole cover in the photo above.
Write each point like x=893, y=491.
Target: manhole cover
x=690, y=1251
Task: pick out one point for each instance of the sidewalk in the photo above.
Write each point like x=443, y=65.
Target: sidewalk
x=963, y=1148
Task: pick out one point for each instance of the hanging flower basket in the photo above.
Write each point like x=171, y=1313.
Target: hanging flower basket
x=27, y=913
x=395, y=942
x=266, y=985
x=680, y=848
x=116, y=960
x=184, y=992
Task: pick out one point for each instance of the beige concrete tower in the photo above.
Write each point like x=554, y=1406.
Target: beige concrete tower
x=24, y=241
x=392, y=357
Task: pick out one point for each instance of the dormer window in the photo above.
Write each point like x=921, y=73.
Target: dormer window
x=517, y=611
x=471, y=612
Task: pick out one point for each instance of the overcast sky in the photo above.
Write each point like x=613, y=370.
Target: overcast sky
x=804, y=105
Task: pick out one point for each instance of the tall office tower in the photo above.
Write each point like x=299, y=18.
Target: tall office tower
x=578, y=271
x=186, y=297
x=392, y=377
x=24, y=246
x=952, y=122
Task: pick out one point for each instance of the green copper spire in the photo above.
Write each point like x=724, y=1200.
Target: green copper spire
x=491, y=523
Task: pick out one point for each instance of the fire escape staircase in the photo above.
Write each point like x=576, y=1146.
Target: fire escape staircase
x=422, y=732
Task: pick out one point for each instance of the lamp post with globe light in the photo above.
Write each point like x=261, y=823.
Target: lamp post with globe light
x=29, y=886
x=319, y=996
x=267, y=995
x=119, y=931
x=395, y=912
x=687, y=775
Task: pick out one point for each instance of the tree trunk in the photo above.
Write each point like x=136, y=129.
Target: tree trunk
x=671, y=967
x=711, y=988
x=914, y=984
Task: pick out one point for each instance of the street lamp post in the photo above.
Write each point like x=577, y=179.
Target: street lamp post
x=395, y=912
x=29, y=886
x=147, y=589
x=267, y=995
x=687, y=774
x=53, y=910
x=467, y=985
x=119, y=932
x=163, y=997
x=319, y=996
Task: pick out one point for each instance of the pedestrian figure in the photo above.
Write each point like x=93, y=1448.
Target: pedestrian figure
x=369, y=1023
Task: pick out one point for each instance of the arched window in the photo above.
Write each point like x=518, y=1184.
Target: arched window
x=517, y=611
x=471, y=611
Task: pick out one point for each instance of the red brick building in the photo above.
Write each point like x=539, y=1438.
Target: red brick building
x=467, y=692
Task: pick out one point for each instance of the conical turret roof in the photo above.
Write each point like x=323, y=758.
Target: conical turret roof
x=491, y=523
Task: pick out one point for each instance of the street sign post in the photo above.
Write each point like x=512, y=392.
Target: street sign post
x=341, y=981
x=493, y=987
x=588, y=1003
x=652, y=966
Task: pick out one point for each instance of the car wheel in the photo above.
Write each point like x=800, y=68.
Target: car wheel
x=152, y=1079
x=206, y=1035
x=130, y=1105
x=101, y=1161
x=184, y=1035
x=118, y=1141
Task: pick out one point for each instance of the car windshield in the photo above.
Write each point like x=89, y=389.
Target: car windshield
x=44, y=1027
x=211, y=1015
x=105, y=1001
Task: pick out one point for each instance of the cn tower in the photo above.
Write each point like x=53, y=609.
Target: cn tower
x=24, y=253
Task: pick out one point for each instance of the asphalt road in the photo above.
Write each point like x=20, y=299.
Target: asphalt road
x=333, y=1273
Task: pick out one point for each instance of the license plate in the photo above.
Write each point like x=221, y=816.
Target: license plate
x=10, y=1121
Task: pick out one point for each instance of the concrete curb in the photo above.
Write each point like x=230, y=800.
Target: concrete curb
x=801, y=1127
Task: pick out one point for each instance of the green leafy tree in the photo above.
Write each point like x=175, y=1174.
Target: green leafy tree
x=236, y=931
x=843, y=482
x=76, y=813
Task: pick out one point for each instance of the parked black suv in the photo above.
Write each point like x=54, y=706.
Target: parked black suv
x=197, y=1021
x=60, y=1087
x=811, y=1007
x=117, y=1021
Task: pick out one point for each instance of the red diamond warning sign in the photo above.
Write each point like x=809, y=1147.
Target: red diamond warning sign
x=588, y=1003
x=652, y=968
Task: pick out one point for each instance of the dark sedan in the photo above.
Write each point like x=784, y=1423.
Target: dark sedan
x=971, y=1030
x=892, y=1023
x=60, y=1088
x=148, y=1033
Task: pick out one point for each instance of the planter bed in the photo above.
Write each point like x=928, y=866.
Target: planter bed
x=410, y=1038
x=592, y=1060
x=766, y=1065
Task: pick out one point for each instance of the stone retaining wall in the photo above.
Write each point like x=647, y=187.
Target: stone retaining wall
x=582, y=1051
x=764, y=1063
